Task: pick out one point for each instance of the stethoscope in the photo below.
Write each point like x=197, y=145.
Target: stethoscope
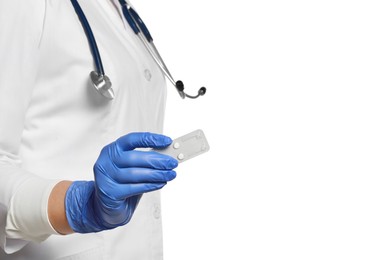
x=99, y=79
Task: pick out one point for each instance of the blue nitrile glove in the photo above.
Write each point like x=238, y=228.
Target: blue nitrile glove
x=122, y=175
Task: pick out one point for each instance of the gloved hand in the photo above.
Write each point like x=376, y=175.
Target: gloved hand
x=122, y=175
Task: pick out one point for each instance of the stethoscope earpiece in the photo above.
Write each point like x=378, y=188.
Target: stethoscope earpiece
x=102, y=84
x=202, y=91
x=180, y=88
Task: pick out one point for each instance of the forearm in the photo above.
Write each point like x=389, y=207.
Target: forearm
x=56, y=208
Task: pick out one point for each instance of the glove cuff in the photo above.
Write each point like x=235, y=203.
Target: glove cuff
x=79, y=207
x=86, y=214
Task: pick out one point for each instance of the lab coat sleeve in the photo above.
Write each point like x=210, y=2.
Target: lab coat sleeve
x=23, y=195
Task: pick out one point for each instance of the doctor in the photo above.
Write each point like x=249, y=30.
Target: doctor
x=73, y=182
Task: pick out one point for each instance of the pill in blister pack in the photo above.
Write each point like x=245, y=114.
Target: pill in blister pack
x=186, y=147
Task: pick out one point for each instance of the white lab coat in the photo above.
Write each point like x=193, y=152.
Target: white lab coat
x=53, y=123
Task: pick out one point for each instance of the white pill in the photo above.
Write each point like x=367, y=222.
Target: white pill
x=180, y=156
x=176, y=145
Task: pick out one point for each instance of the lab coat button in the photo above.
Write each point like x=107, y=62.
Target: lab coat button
x=147, y=74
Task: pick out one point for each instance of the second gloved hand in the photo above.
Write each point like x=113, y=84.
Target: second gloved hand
x=122, y=175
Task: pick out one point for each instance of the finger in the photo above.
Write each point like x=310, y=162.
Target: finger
x=140, y=159
x=127, y=190
x=143, y=140
x=143, y=175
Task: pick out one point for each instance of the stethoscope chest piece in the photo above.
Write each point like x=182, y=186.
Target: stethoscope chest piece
x=102, y=84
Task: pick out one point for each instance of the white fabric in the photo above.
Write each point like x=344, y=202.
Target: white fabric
x=28, y=212
x=53, y=124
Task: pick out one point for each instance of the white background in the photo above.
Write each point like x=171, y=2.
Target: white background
x=297, y=115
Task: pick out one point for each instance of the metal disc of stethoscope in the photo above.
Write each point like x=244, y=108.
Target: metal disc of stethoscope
x=102, y=84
